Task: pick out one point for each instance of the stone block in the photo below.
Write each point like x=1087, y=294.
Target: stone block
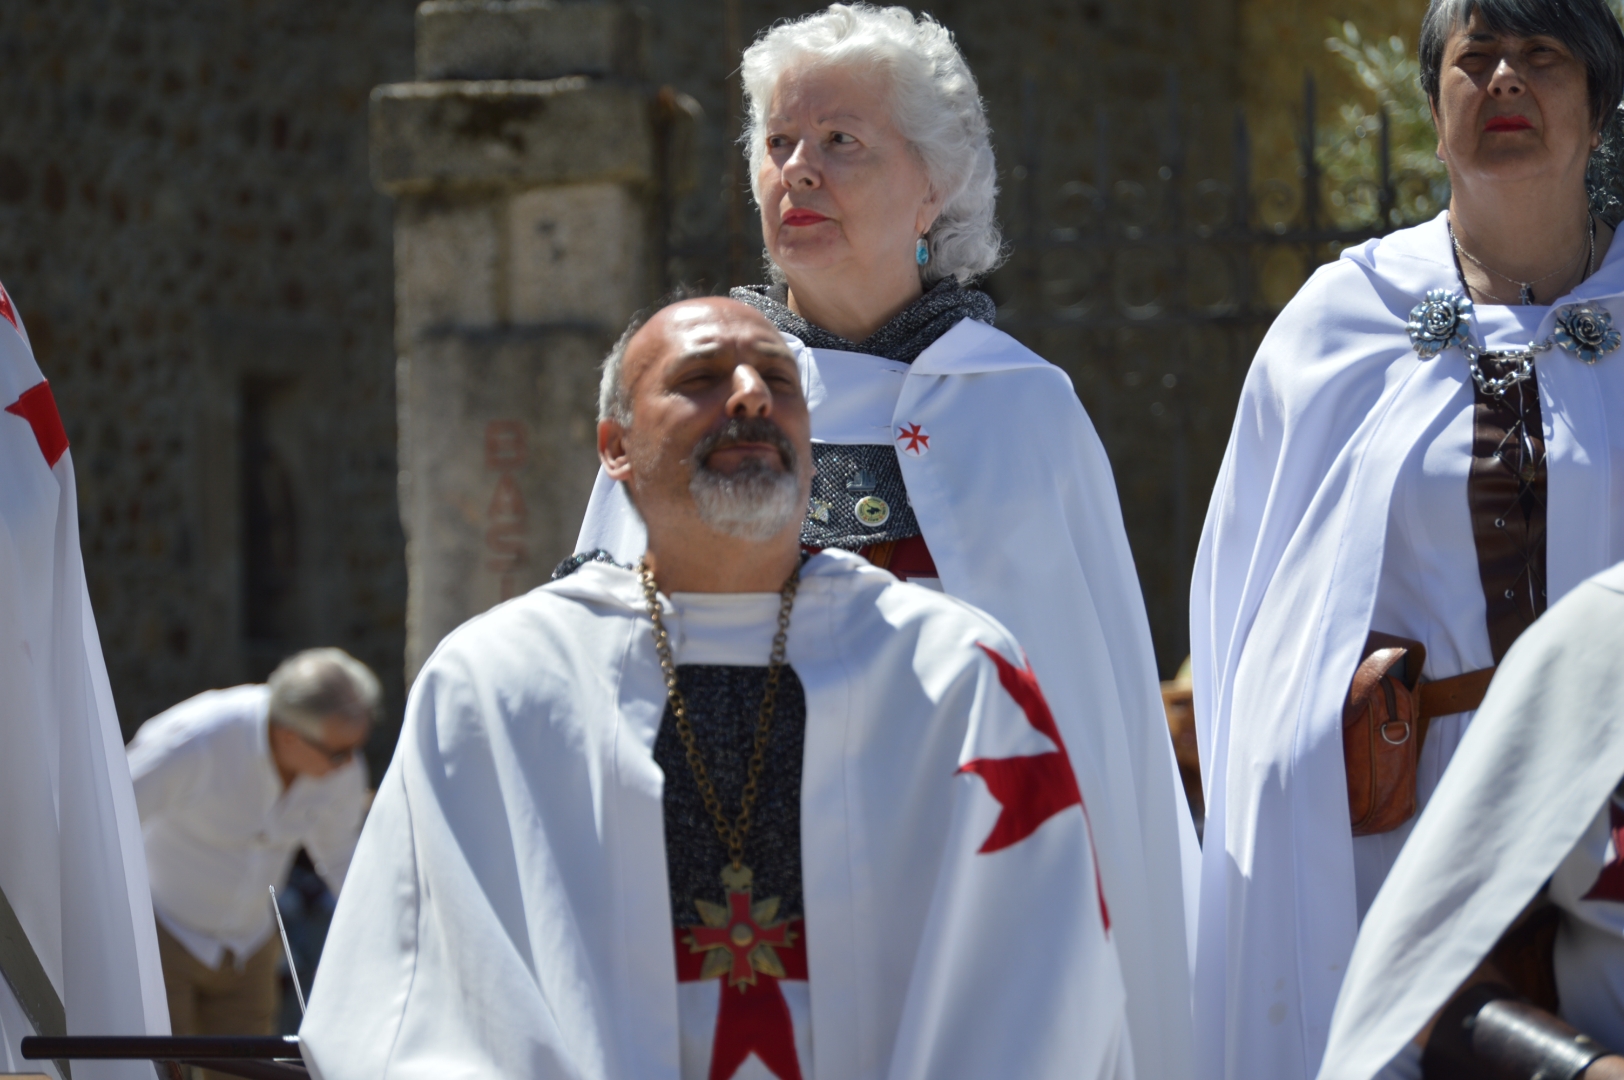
x=578, y=252
x=431, y=136
x=448, y=263
x=527, y=39
x=498, y=456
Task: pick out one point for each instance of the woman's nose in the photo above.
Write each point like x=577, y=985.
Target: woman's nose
x=1505, y=80
x=799, y=168
x=750, y=394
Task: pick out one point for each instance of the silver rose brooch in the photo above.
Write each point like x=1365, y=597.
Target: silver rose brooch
x=1441, y=320
x=1586, y=332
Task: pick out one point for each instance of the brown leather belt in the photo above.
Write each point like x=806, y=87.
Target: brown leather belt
x=1456, y=694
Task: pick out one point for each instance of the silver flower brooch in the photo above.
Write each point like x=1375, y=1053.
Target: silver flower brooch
x=1586, y=332
x=1441, y=320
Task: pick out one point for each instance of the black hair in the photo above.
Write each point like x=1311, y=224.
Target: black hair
x=1586, y=27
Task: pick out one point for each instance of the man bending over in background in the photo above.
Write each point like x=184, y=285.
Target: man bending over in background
x=230, y=784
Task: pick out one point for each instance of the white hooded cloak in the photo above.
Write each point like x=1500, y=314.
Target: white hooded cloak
x=1285, y=581
x=1543, y=754
x=1015, y=498
x=78, y=946
x=507, y=912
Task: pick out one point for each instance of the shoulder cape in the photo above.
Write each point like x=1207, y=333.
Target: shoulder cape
x=1284, y=585
x=507, y=912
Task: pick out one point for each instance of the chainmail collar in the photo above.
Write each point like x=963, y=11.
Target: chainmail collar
x=911, y=332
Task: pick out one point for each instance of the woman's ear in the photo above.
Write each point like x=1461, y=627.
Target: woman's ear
x=929, y=211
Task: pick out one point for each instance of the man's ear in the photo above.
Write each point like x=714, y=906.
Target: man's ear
x=612, y=450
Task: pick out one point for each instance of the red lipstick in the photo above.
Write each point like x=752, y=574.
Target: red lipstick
x=1507, y=123
x=802, y=216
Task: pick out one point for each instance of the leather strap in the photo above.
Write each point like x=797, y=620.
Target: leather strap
x=1506, y=491
x=1459, y=693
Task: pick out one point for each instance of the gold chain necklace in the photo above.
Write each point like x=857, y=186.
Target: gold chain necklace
x=739, y=940
x=735, y=875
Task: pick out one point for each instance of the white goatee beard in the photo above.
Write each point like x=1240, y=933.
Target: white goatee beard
x=756, y=503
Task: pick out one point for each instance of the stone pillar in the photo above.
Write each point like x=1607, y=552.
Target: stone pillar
x=523, y=163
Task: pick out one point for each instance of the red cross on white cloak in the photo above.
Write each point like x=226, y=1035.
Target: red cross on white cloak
x=1610, y=882
x=8, y=310
x=915, y=439
x=1033, y=788
x=37, y=405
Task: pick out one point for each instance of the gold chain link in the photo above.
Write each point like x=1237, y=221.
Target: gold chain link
x=732, y=836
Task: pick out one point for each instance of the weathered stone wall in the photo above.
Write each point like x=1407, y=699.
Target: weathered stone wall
x=188, y=226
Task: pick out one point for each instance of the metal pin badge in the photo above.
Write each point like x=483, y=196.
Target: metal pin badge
x=872, y=511
x=819, y=511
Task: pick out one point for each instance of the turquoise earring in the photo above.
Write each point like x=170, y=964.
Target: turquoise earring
x=921, y=251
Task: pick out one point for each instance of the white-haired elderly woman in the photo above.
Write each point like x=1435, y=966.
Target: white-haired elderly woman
x=945, y=450
x=1429, y=451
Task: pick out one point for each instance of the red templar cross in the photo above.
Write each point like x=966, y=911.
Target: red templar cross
x=7, y=310
x=1031, y=789
x=915, y=439
x=745, y=946
x=747, y=942
x=1610, y=882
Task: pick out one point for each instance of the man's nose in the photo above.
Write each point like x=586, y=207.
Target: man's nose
x=799, y=168
x=750, y=396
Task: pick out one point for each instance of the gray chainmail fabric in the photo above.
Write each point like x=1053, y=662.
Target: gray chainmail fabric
x=724, y=703
x=914, y=329
x=847, y=474
x=575, y=562
x=832, y=519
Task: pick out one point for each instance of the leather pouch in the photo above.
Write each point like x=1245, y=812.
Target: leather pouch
x=1382, y=732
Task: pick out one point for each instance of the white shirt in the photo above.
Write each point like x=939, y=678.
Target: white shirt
x=220, y=829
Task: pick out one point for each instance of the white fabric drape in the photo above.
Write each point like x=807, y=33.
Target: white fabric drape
x=508, y=911
x=1546, y=750
x=1285, y=578
x=71, y=861
x=1015, y=498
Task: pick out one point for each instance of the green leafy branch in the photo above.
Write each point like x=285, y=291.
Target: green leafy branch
x=1349, y=150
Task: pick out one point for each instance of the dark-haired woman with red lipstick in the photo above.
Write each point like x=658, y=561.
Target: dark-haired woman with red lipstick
x=1429, y=451
x=949, y=454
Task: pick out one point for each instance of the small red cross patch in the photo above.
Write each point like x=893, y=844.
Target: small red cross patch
x=914, y=438
x=1609, y=884
x=8, y=310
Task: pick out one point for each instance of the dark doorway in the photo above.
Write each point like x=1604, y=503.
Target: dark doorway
x=270, y=522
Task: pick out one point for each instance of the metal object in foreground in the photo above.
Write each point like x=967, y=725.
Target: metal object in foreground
x=287, y=951
x=253, y=1057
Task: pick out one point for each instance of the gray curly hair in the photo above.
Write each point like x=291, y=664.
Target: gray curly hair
x=934, y=102
x=309, y=687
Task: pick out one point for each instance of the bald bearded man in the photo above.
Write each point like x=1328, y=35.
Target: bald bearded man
x=728, y=813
